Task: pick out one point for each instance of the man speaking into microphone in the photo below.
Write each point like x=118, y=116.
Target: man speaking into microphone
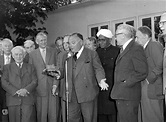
x=84, y=75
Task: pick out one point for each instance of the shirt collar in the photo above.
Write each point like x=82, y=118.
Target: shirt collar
x=125, y=44
x=145, y=45
x=7, y=56
x=41, y=49
x=19, y=63
x=79, y=52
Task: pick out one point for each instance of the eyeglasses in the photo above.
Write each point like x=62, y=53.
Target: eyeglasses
x=101, y=40
x=118, y=34
x=162, y=23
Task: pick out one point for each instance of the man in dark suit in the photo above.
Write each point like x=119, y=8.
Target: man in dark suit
x=131, y=68
x=5, y=58
x=84, y=74
x=19, y=81
x=47, y=101
x=152, y=87
x=108, y=53
x=162, y=36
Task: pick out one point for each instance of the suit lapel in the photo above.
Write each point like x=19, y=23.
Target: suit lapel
x=125, y=51
x=39, y=57
x=15, y=69
x=147, y=48
x=69, y=68
x=12, y=60
x=23, y=69
x=80, y=61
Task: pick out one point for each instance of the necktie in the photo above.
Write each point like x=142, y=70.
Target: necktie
x=43, y=53
x=19, y=65
x=75, y=56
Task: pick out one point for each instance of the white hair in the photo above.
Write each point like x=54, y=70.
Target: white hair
x=40, y=35
x=8, y=41
x=16, y=48
x=28, y=42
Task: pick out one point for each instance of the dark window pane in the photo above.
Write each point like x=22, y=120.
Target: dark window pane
x=146, y=22
x=116, y=25
x=130, y=23
x=104, y=27
x=156, y=26
x=94, y=31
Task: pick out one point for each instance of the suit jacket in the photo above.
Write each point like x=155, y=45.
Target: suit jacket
x=45, y=82
x=154, y=54
x=2, y=91
x=88, y=73
x=14, y=78
x=131, y=66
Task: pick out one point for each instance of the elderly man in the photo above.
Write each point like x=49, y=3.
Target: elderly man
x=29, y=46
x=162, y=25
x=131, y=68
x=5, y=58
x=47, y=101
x=84, y=74
x=59, y=44
x=152, y=87
x=62, y=81
x=19, y=81
x=107, y=54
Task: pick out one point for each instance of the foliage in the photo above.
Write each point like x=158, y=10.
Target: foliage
x=22, y=16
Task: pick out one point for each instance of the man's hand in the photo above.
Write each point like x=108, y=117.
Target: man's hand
x=4, y=111
x=103, y=84
x=22, y=92
x=54, y=87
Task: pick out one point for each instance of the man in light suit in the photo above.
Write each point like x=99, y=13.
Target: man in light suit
x=152, y=87
x=131, y=68
x=5, y=58
x=19, y=81
x=47, y=101
x=84, y=76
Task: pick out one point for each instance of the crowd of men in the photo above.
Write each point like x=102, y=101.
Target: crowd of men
x=85, y=80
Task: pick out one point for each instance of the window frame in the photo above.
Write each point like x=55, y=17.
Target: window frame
x=152, y=15
x=98, y=25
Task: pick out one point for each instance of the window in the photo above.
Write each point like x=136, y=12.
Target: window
x=94, y=28
x=152, y=21
x=131, y=21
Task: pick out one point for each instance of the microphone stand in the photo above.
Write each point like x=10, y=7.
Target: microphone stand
x=67, y=94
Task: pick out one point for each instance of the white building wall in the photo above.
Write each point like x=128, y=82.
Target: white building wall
x=77, y=18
